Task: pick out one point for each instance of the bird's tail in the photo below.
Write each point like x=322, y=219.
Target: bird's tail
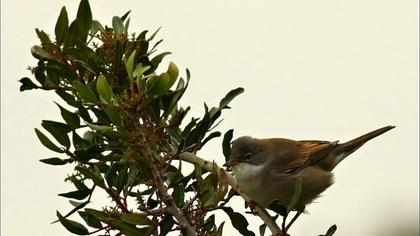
x=344, y=149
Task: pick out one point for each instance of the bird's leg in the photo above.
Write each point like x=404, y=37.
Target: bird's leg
x=251, y=204
x=283, y=226
x=292, y=221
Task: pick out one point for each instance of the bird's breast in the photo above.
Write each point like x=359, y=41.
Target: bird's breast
x=248, y=177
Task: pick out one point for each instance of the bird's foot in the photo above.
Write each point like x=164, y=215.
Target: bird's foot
x=251, y=204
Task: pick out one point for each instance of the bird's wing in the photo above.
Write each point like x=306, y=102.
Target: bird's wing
x=306, y=153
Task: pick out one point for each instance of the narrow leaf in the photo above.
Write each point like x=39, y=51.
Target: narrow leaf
x=125, y=15
x=84, y=18
x=40, y=53
x=90, y=219
x=95, y=177
x=136, y=219
x=85, y=92
x=27, y=84
x=96, y=27
x=157, y=85
x=61, y=26
x=69, y=117
x=72, y=226
x=157, y=60
x=239, y=222
x=99, y=127
x=58, y=131
x=104, y=89
x=46, y=142
x=55, y=161
x=173, y=72
x=129, y=64
x=262, y=229
x=179, y=195
x=78, y=194
x=331, y=231
x=230, y=96
x=117, y=25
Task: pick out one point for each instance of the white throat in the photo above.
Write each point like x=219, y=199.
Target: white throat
x=245, y=172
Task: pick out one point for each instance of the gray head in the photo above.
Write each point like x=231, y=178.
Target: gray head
x=247, y=150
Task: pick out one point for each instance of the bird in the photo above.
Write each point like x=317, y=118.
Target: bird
x=266, y=170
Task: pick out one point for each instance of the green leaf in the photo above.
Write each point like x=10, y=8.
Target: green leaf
x=136, y=219
x=154, y=34
x=227, y=138
x=94, y=176
x=90, y=219
x=72, y=34
x=157, y=85
x=104, y=89
x=166, y=226
x=84, y=18
x=46, y=142
x=128, y=229
x=209, y=199
x=208, y=224
x=129, y=64
x=40, y=53
x=262, y=229
x=330, y=231
x=220, y=229
x=117, y=25
x=173, y=72
x=61, y=26
x=114, y=115
x=197, y=170
x=96, y=27
x=72, y=226
x=239, y=222
x=296, y=195
x=27, y=84
x=69, y=117
x=78, y=194
x=68, y=98
x=230, y=96
x=84, y=92
x=157, y=60
x=125, y=15
x=140, y=69
x=127, y=23
x=55, y=161
x=210, y=137
x=40, y=72
x=99, y=127
x=58, y=131
x=43, y=37
x=179, y=195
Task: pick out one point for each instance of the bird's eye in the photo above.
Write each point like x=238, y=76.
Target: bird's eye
x=248, y=156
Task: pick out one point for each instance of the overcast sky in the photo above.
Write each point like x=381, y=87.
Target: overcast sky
x=328, y=70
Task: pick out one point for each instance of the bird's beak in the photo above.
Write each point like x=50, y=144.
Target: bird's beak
x=231, y=163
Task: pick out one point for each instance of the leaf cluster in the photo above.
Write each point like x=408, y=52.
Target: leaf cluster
x=123, y=130
x=121, y=119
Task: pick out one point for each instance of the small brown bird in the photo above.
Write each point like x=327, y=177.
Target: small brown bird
x=267, y=169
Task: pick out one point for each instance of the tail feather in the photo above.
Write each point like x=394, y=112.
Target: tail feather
x=347, y=148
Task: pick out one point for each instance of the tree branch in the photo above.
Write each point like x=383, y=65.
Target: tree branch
x=172, y=209
x=208, y=166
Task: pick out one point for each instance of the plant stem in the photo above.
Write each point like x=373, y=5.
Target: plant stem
x=208, y=166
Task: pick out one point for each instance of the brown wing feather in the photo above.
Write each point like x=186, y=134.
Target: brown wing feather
x=308, y=153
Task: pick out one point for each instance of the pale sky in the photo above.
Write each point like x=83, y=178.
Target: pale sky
x=328, y=70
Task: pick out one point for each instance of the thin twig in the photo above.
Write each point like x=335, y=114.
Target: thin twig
x=208, y=166
x=171, y=209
